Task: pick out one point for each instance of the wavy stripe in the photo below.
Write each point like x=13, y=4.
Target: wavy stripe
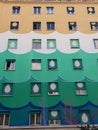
x=62, y=42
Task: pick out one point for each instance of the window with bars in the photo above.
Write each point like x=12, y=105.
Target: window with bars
x=77, y=64
x=14, y=25
x=80, y=88
x=90, y=10
x=36, y=64
x=16, y=9
x=36, y=43
x=70, y=10
x=4, y=119
x=72, y=26
x=10, y=64
x=35, y=118
x=53, y=88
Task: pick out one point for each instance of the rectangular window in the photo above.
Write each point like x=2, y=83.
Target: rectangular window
x=95, y=43
x=35, y=118
x=36, y=64
x=36, y=43
x=77, y=64
x=50, y=10
x=4, y=119
x=51, y=43
x=81, y=88
x=74, y=43
x=7, y=89
x=94, y=25
x=35, y=89
x=70, y=10
x=72, y=25
x=84, y=116
x=50, y=26
x=36, y=25
x=37, y=10
x=16, y=9
x=10, y=64
x=14, y=25
x=54, y=117
x=90, y=10
x=52, y=64
x=53, y=88
x=12, y=43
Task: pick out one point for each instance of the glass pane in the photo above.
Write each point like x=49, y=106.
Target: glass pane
x=38, y=118
x=1, y=119
x=32, y=122
x=6, y=119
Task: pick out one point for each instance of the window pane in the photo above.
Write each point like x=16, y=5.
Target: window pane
x=36, y=64
x=12, y=43
x=10, y=65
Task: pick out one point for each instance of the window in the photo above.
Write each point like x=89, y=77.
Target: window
x=35, y=89
x=36, y=64
x=94, y=25
x=7, y=89
x=90, y=10
x=52, y=64
x=95, y=43
x=74, y=43
x=16, y=9
x=50, y=26
x=84, y=116
x=72, y=26
x=10, y=64
x=4, y=119
x=51, y=43
x=70, y=10
x=81, y=88
x=54, y=117
x=53, y=88
x=36, y=25
x=12, y=43
x=77, y=64
x=35, y=118
x=36, y=43
x=50, y=10
x=37, y=10
x=14, y=25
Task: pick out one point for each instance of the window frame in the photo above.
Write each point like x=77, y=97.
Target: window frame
x=53, y=41
x=72, y=26
x=50, y=26
x=13, y=42
x=8, y=64
x=3, y=123
x=37, y=92
x=36, y=26
x=16, y=10
x=81, y=89
x=15, y=27
x=50, y=10
x=69, y=10
x=8, y=87
x=36, y=10
x=36, y=43
x=79, y=67
x=34, y=113
x=74, y=46
x=94, y=26
x=36, y=61
x=91, y=12
x=53, y=67
x=53, y=91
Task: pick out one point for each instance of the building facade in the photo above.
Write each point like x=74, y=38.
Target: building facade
x=48, y=62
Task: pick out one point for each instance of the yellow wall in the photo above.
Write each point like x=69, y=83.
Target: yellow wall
x=60, y=17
